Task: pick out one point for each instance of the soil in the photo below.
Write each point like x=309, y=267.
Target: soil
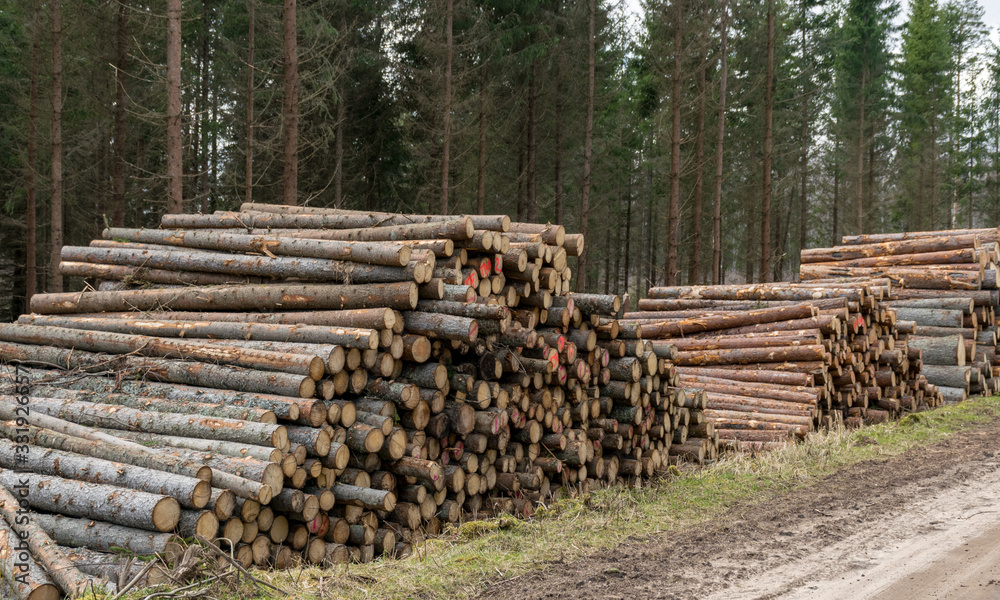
x=924, y=524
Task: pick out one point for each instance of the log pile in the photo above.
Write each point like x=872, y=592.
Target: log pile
x=780, y=360
x=945, y=297
x=324, y=386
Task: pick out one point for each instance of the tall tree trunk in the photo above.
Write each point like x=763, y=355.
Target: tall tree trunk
x=204, y=113
x=446, y=142
x=175, y=164
x=765, y=208
x=836, y=192
x=31, y=240
x=338, y=174
x=861, y=157
x=804, y=139
x=118, y=171
x=674, y=210
x=532, y=210
x=558, y=133
x=720, y=140
x=481, y=167
x=588, y=147
x=56, y=239
x=291, y=106
x=248, y=181
x=607, y=258
x=628, y=229
x=694, y=271
x=933, y=166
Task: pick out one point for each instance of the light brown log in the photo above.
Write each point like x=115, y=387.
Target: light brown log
x=133, y=275
x=220, y=332
x=727, y=321
x=114, y=417
x=123, y=343
x=177, y=371
x=96, y=501
x=362, y=252
x=751, y=355
x=915, y=277
x=948, y=351
x=188, y=491
x=363, y=318
x=26, y=578
x=102, y=536
x=274, y=296
x=761, y=291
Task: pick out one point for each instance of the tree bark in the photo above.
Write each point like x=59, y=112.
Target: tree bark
x=31, y=238
x=290, y=109
x=588, y=145
x=531, y=212
x=804, y=138
x=694, y=272
x=720, y=140
x=102, y=537
x=153, y=512
x=124, y=343
x=765, y=208
x=190, y=425
x=481, y=166
x=248, y=176
x=446, y=109
x=674, y=211
x=400, y=296
x=175, y=180
x=377, y=253
x=56, y=204
x=861, y=155
x=188, y=491
x=27, y=579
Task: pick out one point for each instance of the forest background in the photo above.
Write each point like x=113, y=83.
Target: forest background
x=693, y=141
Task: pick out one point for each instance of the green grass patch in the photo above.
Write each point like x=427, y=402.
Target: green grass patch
x=462, y=562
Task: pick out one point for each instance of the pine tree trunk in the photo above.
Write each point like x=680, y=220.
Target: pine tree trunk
x=175, y=179
x=588, y=147
x=720, y=141
x=765, y=209
x=694, y=271
x=804, y=141
x=557, y=151
x=248, y=176
x=446, y=121
x=481, y=166
x=31, y=220
x=338, y=175
x=532, y=208
x=56, y=208
x=205, y=114
x=861, y=157
x=674, y=210
x=290, y=177
x=121, y=64
x=835, y=241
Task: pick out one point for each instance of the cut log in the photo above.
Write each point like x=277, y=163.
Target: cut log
x=400, y=296
x=143, y=510
x=188, y=491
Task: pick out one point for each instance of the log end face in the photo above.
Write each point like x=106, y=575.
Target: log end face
x=166, y=514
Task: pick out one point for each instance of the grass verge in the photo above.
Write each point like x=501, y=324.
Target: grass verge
x=462, y=563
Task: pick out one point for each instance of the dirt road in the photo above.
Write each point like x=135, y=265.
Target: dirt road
x=925, y=524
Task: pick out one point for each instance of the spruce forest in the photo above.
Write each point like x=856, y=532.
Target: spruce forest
x=697, y=142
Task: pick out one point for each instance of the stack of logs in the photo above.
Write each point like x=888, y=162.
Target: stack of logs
x=945, y=297
x=781, y=360
x=324, y=385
